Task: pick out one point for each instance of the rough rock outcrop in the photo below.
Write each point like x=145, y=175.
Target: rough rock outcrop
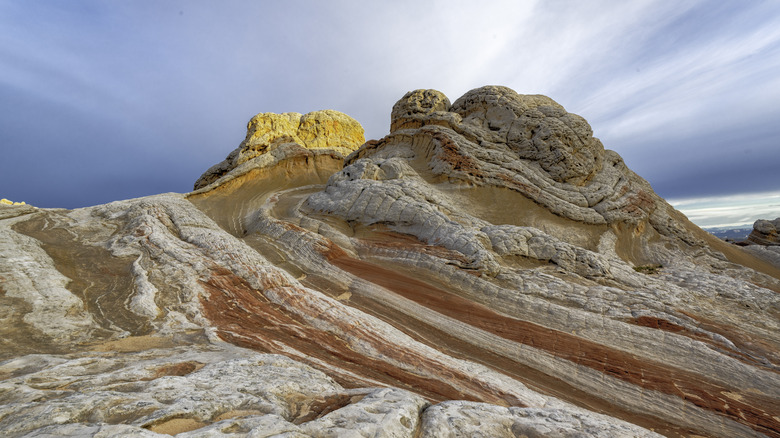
x=764, y=241
x=8, y=202
x=486, y=269
x=317, y=132
x=765, y=232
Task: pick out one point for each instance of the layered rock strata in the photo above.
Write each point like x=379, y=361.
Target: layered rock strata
x=486, y=269
x=764, y=241
x=765, y=232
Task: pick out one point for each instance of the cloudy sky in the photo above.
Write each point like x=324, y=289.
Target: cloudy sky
x=107, y=100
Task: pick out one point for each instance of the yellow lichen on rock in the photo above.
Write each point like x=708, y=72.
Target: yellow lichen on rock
x=330, y=129
x=7, y=202
x=326, y=129
x=267, y=128
x=265, y=131
x=270, y=136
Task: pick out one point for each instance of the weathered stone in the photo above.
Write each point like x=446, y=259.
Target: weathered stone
x=419, y=107
x=163, y=390
x=765, y=232
x=535, y=128
x=381, y=413
x=319, y=131
x=769, y=253
x=488, y=250
x=459, y=418
x=8, y=202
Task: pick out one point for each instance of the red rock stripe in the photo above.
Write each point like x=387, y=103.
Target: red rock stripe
x=243, y=316
x=752, y=410
x=738, y=339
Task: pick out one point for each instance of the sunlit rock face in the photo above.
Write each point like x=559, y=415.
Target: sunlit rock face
x=272, y=135
x=486, y=269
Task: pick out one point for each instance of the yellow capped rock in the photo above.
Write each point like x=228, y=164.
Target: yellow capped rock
x=8, y=202
x=318, y=131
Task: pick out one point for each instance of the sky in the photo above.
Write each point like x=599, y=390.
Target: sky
x=729, y=211
x=107, y=100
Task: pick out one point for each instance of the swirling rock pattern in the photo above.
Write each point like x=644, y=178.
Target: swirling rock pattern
x=486, y=269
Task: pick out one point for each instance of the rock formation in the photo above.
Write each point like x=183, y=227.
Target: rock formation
x=276, y=136
x=764, y=241
x=8, y=202
x=485, y=269
x=765, y=232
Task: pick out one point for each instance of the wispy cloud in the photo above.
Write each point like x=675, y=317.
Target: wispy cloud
x=167, y=87
x=734, y=210
x=672, y=93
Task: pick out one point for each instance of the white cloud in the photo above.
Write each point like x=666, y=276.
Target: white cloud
x=189, y=74
x=732, y=211
x=702, y=86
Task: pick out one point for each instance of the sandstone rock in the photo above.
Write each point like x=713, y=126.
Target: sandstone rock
x=419, y=107
x=7, y=202
x=381, y=413
x=93, y=431
x=769, y=253
x=764, y=242
x=535, y=128
x=317, y=131
x=765, y=232
x=459, y=418
x=167, y=391
x=494, y=137
x=486, y=269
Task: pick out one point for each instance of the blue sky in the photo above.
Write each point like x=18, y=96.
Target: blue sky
x=103, y=100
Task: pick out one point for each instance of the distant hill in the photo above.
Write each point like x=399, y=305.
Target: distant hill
x=727, y=233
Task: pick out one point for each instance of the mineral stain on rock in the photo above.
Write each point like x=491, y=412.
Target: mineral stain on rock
x=488, y=268
x=101, y=281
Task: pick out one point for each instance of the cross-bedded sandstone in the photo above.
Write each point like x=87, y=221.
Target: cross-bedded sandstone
x=486, y=269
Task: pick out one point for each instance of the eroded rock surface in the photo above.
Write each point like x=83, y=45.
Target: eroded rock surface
x=280, y=135
x=486, y=269
x=764, y=241
x=765, y=232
